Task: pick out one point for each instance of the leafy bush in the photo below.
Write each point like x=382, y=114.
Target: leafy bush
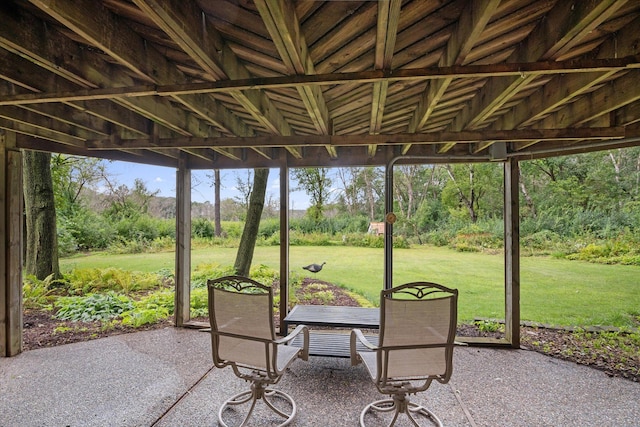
x=269, y=227
x=83, y=229
x=37, y=294
x=204, y=272
x=199, y=304
x=297, y=238
x=150, y=308
x=439, y=237
x=92, y=307
x=363, y=240
x=201, y=227
x=91, y=280
x=232, y=229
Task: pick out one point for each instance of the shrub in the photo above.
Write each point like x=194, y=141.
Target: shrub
x=363, y=240
x=92, y=307
x=151, y=308
x=37, y=294
x=202, y=227
x=91, y=280
x=84, y=230
x=269, y=227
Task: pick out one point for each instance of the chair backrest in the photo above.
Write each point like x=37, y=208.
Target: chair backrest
x=417, y=332
x=241, y=318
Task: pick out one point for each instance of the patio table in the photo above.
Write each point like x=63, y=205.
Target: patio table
x=335, y=323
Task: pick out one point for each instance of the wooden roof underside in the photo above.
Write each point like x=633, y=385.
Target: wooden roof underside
x=258, y=83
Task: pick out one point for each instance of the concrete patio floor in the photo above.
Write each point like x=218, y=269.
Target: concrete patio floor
x=166, y=378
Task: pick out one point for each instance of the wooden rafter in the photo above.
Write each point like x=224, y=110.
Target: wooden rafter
x=74, y=73
x=564, y=27
x=386, y=32
x=465, y=35
x=284, y=28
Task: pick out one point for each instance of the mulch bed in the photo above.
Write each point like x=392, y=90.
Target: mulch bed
x=41, y=329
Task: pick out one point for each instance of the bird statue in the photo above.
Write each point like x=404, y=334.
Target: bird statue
x=314, y=268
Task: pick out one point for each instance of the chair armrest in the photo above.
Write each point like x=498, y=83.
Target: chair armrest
x=305, y=340
x=357, y=335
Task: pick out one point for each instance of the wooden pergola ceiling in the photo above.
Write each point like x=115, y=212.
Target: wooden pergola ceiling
x=259, y=83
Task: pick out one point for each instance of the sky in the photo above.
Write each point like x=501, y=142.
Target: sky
x=164, y=179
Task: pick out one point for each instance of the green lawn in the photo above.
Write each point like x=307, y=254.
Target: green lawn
x=560, y=292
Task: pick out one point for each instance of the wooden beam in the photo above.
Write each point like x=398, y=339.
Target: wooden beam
x=512, y=252
x=29, y=76
x=284, y=27
x=95, y=23
x=469, y=27
x=10, y=246
x=564, y=26
x=183, y=244
x=31, y=39
x=183, y=22
x=407, y=75
x=386, y=32
x=610, y=97
x=284, y=243
x=565, y=87
x=432, y=138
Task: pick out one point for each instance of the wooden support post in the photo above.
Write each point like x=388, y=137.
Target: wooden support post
x=10, y=246
x=512, y=252
x=284, y=244
x=388, y=225
x=183, y=244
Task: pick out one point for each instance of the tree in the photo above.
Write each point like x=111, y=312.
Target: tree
x=475, y=188
x=42, y=246
x=316, y=183
x=244, y=184
x=128, y=203
x=247, y=244
x=72, y=175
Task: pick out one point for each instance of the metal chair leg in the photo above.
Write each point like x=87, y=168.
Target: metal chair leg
x=400, y=405
x=259, y=393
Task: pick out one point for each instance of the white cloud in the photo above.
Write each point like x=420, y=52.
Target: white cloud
x=158, y=179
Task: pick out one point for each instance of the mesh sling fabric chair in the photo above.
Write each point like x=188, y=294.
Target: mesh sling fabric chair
x=417, y=333
x=243, y=337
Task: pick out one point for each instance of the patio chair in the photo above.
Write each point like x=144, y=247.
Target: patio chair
x=242, y=336
x=417, y=332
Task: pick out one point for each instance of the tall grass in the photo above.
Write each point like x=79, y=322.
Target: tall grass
x=553, y=291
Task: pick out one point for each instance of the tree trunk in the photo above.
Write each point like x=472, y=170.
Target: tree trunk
x=42, y=244
x=252, y=223
x=216, y=203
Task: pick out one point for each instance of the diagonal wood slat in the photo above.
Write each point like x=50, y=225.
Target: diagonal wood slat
x=259, y=83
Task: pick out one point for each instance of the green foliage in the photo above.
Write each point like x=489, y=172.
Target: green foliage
x=38, y=294
x=363, y=240
x=85, y=281
x=204, y=272
x=623, y=250
x=142, y=233
x=269, y=227
x=317, y=184
x=489, y=326
x=475, y=238
x=264, y=274
x=199, y=302
x=151, y=308
x=201, y=227
x=92, y=307
x=313, y=239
